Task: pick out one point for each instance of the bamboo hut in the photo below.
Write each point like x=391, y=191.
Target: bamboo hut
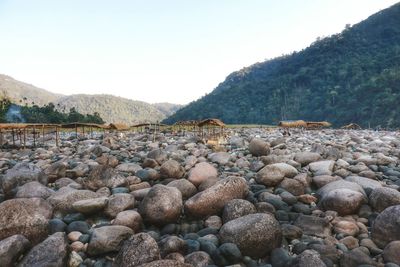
x=317, y=124
x=211, y=129
x=118, y=126
x=293, y=124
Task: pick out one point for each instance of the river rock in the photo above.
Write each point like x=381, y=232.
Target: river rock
x=312, y=225
x=237, y=208
x=129, y=218
x=91, y=205
x=256, y=235
x=305, y=158
x=21, y=174
x=198, y=259
x=53, y=251
x=391, y=252
x=12, y=248
x=201, y=172
x=63, y=199
x=103, y=176
x=108, y=239
x=26, y=216
x=162, y=205
x=222, y=158
x=171, y=169
x=187, y=188
x=119, y=202
x=273, y=174
x=386, y=227
x=324, y=167
x=34, y=189
x=383, y=197
x=259, y=147
x=212, y=200
x=138, y=249
x=128, y=167
x=308, y=258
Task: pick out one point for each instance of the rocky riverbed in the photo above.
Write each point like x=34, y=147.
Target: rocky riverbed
x=315, y=198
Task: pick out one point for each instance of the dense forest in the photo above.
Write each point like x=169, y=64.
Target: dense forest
x=24, y=113
x=353, y=76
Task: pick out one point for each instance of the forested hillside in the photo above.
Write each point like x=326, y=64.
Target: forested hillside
x=353, y=76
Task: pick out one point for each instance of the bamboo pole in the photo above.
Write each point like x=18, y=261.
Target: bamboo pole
x=43, y=133
x=13, y=138
x=56, y=136
x=34, y=136
x=24, y=137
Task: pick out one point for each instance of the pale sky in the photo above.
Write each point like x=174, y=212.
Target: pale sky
x=158, y=51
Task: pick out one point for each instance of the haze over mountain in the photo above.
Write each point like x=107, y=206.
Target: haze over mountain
x=111, y=108
x=352, y=76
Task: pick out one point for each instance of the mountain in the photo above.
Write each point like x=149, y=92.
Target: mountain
x=353, y=76
x=167, y=108
x=110, y=108
x=17, y=91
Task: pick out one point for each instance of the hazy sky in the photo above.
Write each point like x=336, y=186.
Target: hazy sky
x=158, y=51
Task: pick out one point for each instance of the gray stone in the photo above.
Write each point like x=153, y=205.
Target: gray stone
x=12, y=248
x=108, y=239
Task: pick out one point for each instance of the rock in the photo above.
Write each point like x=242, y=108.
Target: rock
x=367, y=184
x=165, y=263
x=119, y=202
x=309, y=258
x=213, y=222
x=342, y=196
x=138, y=249
x=162, y=205
x=56, y=170
x=324, y=167
x=158, y=155
x=305, y=158
x=350, y=242
x=322, y=180
x=103, y=176
x=386, y=227
x=262, y=234
x=230, y=252
x=201, y=172
x=56, y=225
x=91, y=205
x=292, y=186
x=63, y=199
x=171, y=169
x=79, y=226
x=259, y=147
x=383, y=197
x=26, y=216
x=128, y=167
x=74, y=259
x=108, y=239
x=12, y=248
x=74, y=236
x=222, y=158
x=79, y=171
x=237, y=208
x=171, y=244
x=212, y=200
x=346, y=228
x=312, y=225
x=53, y=251
x=129, y=218
x=33, y=189
x=21, y=174
x=356, y=258
x=273, y=174
x=198, y=259
x=187, y=188
x=291, y=231
x=78, y=246
x=391, y=252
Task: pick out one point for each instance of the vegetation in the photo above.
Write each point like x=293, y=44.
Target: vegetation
x=353, y=76
x=45, y=114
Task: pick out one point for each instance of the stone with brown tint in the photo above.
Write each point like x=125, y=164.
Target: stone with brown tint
x=201, y=172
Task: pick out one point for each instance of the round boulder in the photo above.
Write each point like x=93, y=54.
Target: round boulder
x=273, y=174
x=237, y=208
x=256, y=235
x=201, y=172
x=162, y=205
x=386, y=227
x=383, y=197
x=171, y=169
x=259, y=147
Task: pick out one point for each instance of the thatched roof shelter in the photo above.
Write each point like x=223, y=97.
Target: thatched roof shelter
x=211, y=122
x=10, y=126
x=187, y=123
x=292, y=124
x=318, y=124
x=352, y=126
x=118, y=126
x=81, y=124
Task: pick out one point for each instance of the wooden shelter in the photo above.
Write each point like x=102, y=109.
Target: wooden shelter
x=118, y=126
x=293, y=124
x=211, y=128
x=317, y=124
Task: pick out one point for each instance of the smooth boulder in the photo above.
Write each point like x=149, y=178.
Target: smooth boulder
x=386, y=227
x=108, y=239
x=273, y=174
x=256, y=235
x=259, y=147
x=201, y=172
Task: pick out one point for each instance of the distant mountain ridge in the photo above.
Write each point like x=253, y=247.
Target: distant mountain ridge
x=352, y=76
x=111, y=108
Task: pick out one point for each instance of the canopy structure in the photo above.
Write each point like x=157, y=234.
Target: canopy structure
x=293, y=124
x=317, y=124
x=118, y=126
x=211, y=122
x=352, y=126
